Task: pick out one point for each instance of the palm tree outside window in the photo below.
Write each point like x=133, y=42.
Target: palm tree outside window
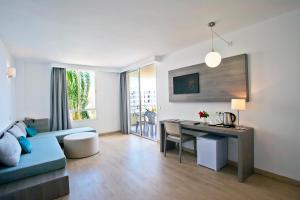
x=81, y=94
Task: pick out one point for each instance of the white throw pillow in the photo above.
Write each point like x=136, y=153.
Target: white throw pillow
x=16, y=131
x=10, y=150
x=22, y=126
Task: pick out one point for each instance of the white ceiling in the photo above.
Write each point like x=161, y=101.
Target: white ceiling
x=116, y=33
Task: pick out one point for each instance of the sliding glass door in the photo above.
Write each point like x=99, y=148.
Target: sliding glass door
x=134, y=102
x=142, y=102
x=148, y=101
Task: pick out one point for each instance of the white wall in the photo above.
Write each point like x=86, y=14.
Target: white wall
x=33, y=89
x=6, y=89
x=33, y=95
x=273, y=47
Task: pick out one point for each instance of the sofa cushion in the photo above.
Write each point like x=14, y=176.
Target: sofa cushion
x=25, y=144
x=22, y=126
x=16, y=131
x=10, y=150
x=62, y=133
x=46, y=156
x=31, y=131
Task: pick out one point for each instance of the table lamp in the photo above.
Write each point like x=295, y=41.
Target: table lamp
x=238, y=104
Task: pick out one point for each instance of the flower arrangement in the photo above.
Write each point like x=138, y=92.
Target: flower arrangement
x=203, y=114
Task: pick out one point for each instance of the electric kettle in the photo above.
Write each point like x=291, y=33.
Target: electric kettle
x=228, y=119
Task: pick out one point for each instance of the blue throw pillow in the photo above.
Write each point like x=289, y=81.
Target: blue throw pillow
x=31, y=131
x=25, y=144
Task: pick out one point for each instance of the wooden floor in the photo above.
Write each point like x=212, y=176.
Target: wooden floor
x=129, y=167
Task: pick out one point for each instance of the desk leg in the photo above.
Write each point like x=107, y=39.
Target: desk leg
x=245, y=156
x=162, y=137
x=170, y=145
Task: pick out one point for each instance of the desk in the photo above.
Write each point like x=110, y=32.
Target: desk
x=245, y=140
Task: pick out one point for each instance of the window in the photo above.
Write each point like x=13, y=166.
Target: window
x=81, y=94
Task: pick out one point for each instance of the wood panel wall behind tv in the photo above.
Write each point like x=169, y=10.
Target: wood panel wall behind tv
x=221, y=84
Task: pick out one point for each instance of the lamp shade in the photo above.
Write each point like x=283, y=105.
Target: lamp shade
x=11, y=72
x=213, y=59
x=238, y=104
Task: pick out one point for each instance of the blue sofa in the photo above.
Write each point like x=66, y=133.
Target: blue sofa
x=46, y=157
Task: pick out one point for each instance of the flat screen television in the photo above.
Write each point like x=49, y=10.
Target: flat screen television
x=186, y=84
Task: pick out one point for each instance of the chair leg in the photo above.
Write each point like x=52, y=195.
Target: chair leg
x=180, y=151
x=151, y=131
x=136, y=126
x=165, y=145
x=195, y=146
x=145, y=132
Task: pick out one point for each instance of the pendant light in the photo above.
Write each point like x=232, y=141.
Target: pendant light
x=213, y=58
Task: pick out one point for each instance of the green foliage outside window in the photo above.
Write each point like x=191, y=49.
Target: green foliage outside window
x=78, y=88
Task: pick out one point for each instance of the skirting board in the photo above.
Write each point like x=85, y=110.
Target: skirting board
x=108, y=133
x=270, y=175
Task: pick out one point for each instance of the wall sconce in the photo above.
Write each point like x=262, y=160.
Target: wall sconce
x=11, y=72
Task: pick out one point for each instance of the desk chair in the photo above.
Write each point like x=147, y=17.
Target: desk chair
x=173, y=133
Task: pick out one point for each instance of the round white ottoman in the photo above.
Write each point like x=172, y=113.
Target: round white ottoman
x=81, y=145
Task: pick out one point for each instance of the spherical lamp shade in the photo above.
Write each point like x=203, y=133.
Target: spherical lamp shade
x=213, y=59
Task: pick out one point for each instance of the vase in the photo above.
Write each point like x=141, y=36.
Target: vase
x=205, y=121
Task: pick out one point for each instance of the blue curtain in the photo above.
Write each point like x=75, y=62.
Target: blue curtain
x=124, y=102
x=59, y=111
